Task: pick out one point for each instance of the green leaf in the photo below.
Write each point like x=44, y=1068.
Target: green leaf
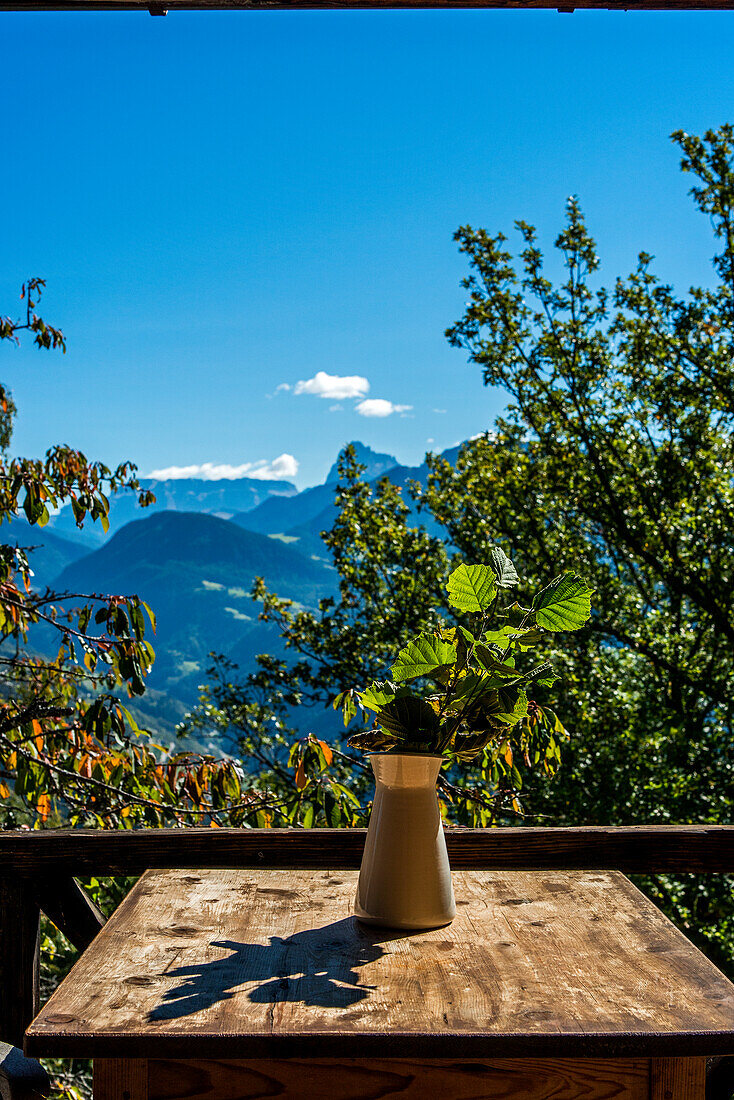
x=544, y=675
x=471, y=588
x=122, y=624
x=308, y=815
x=564, y=604
x=410, y=719
x=508, y=706
x=372, y=740
x=151, y=616
x=378, y=694
x=136, y=618
x=489, y=661
x=422, y=656
x=467, y=745
x=504, y=571
x=469, y=691
x=468, y=637
x=345, y=702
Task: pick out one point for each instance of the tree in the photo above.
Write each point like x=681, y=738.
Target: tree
x=615, y=454
x=70, y=751
x=614, y=459
x=392, y=586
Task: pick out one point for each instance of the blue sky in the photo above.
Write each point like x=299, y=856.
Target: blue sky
x=226, y=203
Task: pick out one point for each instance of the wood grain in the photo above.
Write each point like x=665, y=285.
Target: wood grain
x=363, y=1079
x=677, y=1078
x=19, y=958
x=633, y=849
x=120, y=1079
x=239, y=964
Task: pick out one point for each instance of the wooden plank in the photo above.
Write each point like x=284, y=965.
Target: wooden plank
x=633, y=849
x=242, y=964
x=677, y=1079
x=19, y=958
x=72, y=911
x=253, y=5
x=120, y=1079
x=365, y=1079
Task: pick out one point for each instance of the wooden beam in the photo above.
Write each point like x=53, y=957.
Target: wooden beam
x=160, y=7
x=73, y=912
x=632, y=849
x=531, y=1078
x=19, y=957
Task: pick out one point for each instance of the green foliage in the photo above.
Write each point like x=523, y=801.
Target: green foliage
x=475, y=692
x=613, y=460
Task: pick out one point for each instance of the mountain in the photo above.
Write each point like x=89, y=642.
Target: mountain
x=223, y=497
x=279, y=515
x=376, y=463
x=301, y=518
x=48, y=553
x=196, y=572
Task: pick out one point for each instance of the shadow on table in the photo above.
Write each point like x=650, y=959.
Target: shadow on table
x=315, y=967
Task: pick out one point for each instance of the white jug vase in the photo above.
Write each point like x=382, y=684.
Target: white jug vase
x=405, y=878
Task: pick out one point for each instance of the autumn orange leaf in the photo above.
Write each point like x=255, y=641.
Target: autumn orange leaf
x=328, y=754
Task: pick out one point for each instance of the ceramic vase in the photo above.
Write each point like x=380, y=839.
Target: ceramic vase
x=405, y=878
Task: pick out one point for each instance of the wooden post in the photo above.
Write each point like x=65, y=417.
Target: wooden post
x=19, y=958
x=677, y=1078
x=120, y=1079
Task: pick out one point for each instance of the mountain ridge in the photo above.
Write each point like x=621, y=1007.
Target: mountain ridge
x=196, y=572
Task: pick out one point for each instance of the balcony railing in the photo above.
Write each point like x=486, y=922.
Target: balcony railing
x=38, y=872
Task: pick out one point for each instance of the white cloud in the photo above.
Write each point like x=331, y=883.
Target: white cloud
x=378, y=406
x=336, y=408
x=439, y=410
x=283, y=387
x=334, y=386
x=284, y=467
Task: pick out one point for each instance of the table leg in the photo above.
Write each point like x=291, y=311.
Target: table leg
x=120, y=1079
x=677, y=1078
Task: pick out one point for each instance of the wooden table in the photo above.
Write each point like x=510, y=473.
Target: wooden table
x=236, y=985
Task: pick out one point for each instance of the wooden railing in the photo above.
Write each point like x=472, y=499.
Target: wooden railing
x=38, y=872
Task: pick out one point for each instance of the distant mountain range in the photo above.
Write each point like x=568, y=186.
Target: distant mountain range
x=196, y=572
x=223, y=498
x=302, y=518
x=196, y=568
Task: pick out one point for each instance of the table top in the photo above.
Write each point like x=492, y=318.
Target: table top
x=251, y=964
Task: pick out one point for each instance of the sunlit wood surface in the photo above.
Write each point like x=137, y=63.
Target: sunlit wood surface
x=240, y=964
